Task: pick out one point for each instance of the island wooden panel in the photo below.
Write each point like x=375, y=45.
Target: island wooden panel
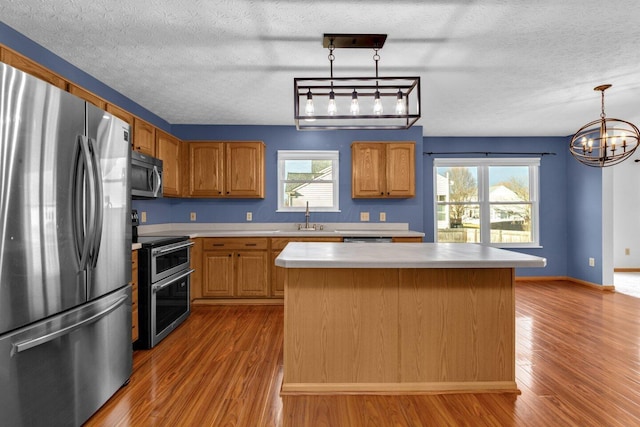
x=399, y=330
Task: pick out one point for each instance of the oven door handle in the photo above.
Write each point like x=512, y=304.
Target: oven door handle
x=172, y=248
x=157, y=288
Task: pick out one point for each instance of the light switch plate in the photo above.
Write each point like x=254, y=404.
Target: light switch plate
x=364, y=216
x=192, y=216
x=143, y=216
x=249, y=216
x=383, y=216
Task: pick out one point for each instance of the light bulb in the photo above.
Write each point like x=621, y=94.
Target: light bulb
x=308, y=108
x=332, y=109
x=355, y=105
x=377, y=104
x=400, y=107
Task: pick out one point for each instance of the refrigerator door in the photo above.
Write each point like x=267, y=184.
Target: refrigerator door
x=40, y=272
x=59, y=371
x=110, y=250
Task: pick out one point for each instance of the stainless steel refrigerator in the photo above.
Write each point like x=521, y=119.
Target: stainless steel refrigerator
x=65, y=254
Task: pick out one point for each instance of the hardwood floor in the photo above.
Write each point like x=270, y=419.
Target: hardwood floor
x=578, y=364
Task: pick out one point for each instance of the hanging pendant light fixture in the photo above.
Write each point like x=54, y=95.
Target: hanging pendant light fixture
x=356, y=102
x=606, y=141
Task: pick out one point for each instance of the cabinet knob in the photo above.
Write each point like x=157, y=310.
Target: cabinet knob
x=382, y=193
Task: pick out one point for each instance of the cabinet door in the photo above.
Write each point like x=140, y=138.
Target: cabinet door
x=218, y=274
x=244, y=169
x=277, y=276
x=134, y=296
x=25, y=64
x=206, y=169
x=368, y=170
x=251, y=274
x=168, y=150
x=87, y=96
x=401, y=170
x=121, y=114
x=144, y=137
x=196, y=264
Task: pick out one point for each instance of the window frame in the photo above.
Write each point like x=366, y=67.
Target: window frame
x=284, y=155
x=483, y=165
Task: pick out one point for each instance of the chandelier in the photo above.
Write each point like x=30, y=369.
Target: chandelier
x=322, y=103
x=606, y=141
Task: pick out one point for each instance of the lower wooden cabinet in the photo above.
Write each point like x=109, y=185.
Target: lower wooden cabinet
x=406, y=239
x=134, y=296
x=244, y=267
x=235, y=267
x=277, y=245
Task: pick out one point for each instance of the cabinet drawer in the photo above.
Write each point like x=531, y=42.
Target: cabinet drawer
x=235, y=243
x=278, y=243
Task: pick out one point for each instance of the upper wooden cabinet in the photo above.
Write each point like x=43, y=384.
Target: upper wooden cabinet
x=383, y=170
x=121, y=114
x=87, y=96
x=144, y=137
x=226, y=169
x=25, y=64
x=168, y=150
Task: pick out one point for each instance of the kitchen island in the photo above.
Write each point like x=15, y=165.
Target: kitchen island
x=399, y=317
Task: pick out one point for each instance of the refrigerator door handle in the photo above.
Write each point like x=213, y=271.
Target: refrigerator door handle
x=82, y=227
x=34, y=342
x=158, y=181
x=98, y=207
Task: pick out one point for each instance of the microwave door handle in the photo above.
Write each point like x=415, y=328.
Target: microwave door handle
x=34, y=342
x=158, y=181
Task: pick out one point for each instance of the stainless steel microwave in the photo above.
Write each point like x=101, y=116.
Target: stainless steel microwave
x=146, y=176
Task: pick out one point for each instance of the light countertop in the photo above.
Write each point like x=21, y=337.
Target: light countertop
x=194, y=230
x=402, y=255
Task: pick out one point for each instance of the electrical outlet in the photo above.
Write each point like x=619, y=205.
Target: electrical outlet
x=192, y=216
x=364, y=216
x=249, y=216
x=592, y=262
x=627, y=251
x=383, y=216
x=143, y=217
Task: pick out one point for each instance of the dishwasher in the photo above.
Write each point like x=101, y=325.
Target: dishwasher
x=367, y=239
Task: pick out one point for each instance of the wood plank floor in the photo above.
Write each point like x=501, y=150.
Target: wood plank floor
x=578, y=364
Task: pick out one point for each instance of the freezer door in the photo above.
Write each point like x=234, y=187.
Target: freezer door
x=110, y=252
x=40, y=273
x=60, y=371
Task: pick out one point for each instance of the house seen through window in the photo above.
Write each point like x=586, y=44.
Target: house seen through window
x=488, y=201
x=306, y=176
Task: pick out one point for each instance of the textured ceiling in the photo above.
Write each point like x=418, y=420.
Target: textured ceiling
x=488, y=67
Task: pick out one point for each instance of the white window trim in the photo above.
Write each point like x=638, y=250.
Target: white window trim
x=332, y=155
x=483, y=194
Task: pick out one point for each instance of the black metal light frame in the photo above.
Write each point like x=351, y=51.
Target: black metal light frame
x=343, y=89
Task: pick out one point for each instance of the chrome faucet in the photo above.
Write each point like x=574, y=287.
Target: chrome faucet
x=307, y=215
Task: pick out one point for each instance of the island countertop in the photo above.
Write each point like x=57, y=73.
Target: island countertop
x=402, y=255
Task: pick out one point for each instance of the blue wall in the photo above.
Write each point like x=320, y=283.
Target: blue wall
x=571, y=194
x=16, y=41
x=584, y=221
x=288, y=138
x=553, y=191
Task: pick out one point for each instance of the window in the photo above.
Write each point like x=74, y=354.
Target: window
x=308, y=176
x=488, y=201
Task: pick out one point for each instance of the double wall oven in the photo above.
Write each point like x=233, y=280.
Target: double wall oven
x=164, y=279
